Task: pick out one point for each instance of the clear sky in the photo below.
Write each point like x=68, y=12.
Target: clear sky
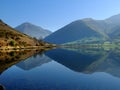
x=54, y=14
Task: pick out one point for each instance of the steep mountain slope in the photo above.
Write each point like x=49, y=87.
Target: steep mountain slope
x=87, y=29
x=113, y=20
x=33, y=30
x=113, y=26
x=74, y=31
x=97, y=25
x=9, y=37
x=107, y=26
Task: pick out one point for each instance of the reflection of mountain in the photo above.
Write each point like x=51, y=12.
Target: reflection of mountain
x=33, y=62
x=88, y=63
x=73, y=60
x=86, y=50
x=109, y=64
x=9, y=58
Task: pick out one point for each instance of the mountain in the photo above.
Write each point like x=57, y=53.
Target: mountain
x=113, y=20
x=114, y=26
x=88, y=28
x=109, y=26
x=74, y=31
x=33, y=62
x=33, y=30
x=10, y=38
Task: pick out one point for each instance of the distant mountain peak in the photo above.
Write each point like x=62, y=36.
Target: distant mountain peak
x=115, y=16
x=87, y=19
x=9, y=37
x=113, y=19
x=33, y=30
x=26, y=24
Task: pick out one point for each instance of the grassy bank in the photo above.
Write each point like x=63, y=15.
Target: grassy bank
x=27, y=47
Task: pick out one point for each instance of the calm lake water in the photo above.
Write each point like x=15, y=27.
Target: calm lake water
x=61, y=69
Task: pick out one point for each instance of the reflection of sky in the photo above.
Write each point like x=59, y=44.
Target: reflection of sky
x=58, y=76
x=55, y=75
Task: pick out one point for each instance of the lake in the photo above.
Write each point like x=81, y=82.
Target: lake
x=60, y=69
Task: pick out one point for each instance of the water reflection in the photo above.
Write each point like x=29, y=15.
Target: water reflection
x=88, y=60
x=79, y=60
x=61, y=69
x=9, y=58
x=35, y=61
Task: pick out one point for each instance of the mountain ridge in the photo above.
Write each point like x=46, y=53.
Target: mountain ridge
x=73, y=31
x=13, y=39
x=107, y=29
x=33, y=30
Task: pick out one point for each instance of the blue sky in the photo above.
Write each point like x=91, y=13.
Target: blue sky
x=54, y=14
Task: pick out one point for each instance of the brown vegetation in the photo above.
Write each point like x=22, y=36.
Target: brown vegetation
x=10, y=38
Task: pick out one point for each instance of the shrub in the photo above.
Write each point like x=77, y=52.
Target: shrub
x=12, y=43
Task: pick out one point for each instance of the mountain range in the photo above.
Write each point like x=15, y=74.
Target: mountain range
x=88, y=28
x=33, y=30
x=11, y=38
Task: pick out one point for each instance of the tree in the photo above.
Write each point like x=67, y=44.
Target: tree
x=12, y=43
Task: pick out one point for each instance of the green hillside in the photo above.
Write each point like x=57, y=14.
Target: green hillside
x=73, y=31
x=88, y=30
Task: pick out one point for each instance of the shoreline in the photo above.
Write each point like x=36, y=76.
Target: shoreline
x=5, y=48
